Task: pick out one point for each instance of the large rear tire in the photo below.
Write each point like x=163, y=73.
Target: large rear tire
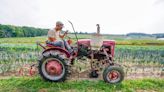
x=113, y=74
x=53, y=68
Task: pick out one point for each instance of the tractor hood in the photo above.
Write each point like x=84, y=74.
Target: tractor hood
x=88, y=42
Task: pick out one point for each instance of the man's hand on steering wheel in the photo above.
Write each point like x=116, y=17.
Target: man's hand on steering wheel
x=69, y=38
x=63, y=36
x=66, y=33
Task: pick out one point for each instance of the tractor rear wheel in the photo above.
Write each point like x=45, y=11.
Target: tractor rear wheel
x=113, y=74
x=53, y=68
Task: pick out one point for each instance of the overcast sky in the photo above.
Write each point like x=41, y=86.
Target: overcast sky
x=114, y=16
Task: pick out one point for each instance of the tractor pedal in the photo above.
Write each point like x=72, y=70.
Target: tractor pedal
x=93, y=74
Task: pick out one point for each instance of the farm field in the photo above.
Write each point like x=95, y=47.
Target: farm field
x=82, y=46
x=120, y=40
x=140, y=59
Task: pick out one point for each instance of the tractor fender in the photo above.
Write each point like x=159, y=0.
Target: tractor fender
x=58, y=49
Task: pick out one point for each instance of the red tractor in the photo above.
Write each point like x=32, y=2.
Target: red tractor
x=55, y=62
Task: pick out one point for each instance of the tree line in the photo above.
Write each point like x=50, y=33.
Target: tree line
x=17, y=31
x=157, y=35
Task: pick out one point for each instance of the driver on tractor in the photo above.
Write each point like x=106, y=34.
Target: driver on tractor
x=55, y=37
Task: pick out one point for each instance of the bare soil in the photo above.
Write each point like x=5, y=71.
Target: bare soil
x=130, y=73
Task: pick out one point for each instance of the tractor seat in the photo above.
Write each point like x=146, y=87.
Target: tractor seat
x=50, y=45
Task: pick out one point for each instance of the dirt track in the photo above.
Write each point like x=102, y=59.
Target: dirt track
x=85, y=75
x=132, y=72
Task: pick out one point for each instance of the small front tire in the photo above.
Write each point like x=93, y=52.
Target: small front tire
x=113, y=74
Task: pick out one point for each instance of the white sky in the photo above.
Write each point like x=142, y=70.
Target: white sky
x=114, y=16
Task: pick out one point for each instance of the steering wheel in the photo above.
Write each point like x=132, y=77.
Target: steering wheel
x=67, y=37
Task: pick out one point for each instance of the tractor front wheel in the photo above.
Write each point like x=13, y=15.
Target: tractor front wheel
x=113, y=74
